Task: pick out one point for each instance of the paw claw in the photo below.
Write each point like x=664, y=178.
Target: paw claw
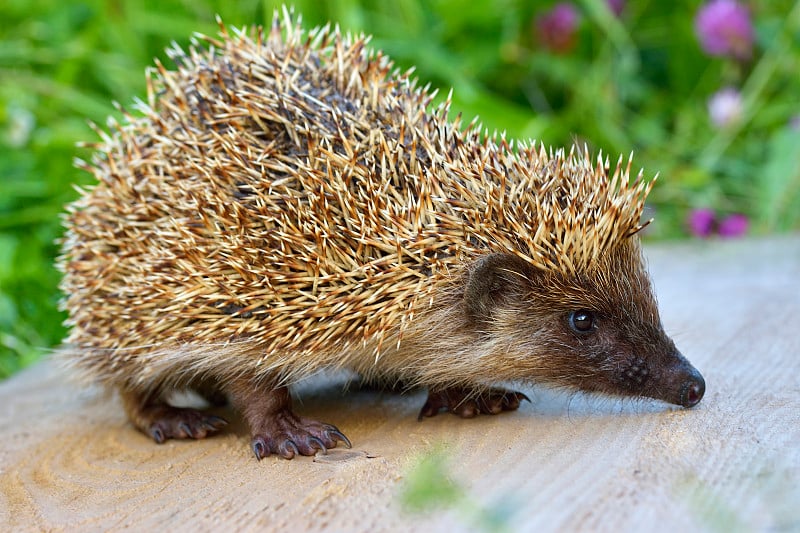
x=158, y=435
x=215, y=423
x=184, y=431
x=340, y=437
x=316, y=443
x=288, y=450
x=260, y=448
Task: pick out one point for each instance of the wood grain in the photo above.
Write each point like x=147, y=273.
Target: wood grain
x=70, y=461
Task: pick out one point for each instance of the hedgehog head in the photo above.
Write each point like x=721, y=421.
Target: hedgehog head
x=557, y=288
x=595, y=329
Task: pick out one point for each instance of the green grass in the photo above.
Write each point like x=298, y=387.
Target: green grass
x=637, y=83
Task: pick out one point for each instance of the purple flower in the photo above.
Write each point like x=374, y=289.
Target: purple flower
x=724, y=29
x=700, y=222
x=616, y=6
x=725, y=107
x=556, y=28
x=733, y=226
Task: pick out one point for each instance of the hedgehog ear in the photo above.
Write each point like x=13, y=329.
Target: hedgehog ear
x=493, y=279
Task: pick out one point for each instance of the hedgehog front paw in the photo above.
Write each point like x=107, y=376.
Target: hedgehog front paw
x=287, y=435
x=466, y=404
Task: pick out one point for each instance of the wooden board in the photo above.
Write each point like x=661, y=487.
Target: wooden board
x=69, y=460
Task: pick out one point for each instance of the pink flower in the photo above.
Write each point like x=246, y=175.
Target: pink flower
x=556, y=28
x=725, y=107
x=724, y=29
x=701, y=222
x=733, y=226
x=616, y=6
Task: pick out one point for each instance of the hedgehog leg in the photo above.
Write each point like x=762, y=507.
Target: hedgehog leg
x=467, y=404
x=275, y=428
x=210, y=390
x=161, y=421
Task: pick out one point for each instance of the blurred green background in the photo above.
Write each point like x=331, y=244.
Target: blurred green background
x=635, y=80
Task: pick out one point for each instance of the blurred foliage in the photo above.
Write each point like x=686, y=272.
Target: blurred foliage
x=428, y=487
x=638, y=82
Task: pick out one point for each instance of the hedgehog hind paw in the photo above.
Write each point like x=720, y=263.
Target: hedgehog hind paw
x=167, y=422
x=161, y=421
x=467, y=404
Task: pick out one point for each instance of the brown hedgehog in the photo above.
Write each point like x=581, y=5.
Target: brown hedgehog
x=289, y=203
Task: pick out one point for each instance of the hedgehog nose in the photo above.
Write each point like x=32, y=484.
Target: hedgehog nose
x=693, y=389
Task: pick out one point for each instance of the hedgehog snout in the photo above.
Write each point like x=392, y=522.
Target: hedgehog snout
x=692, y=389
x=681, y=383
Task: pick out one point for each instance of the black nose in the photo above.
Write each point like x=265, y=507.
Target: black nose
x=693, y=389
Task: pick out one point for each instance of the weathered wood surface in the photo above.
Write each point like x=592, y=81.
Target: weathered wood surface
x=69, y=460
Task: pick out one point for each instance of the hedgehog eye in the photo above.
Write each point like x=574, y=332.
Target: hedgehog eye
x=582, y=321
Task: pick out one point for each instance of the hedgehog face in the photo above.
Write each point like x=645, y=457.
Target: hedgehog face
x=626, y=352
x=598, y=331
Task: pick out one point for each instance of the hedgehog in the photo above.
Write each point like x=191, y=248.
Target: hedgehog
x=287, y=202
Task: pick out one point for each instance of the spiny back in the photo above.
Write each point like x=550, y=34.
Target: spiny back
x=294, y=191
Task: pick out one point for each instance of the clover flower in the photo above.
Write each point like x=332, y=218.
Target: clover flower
x=724, y=29
x=725, y=107
x=733, y=226
x=703, y=222
x=556, y=28
x=616, y=6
